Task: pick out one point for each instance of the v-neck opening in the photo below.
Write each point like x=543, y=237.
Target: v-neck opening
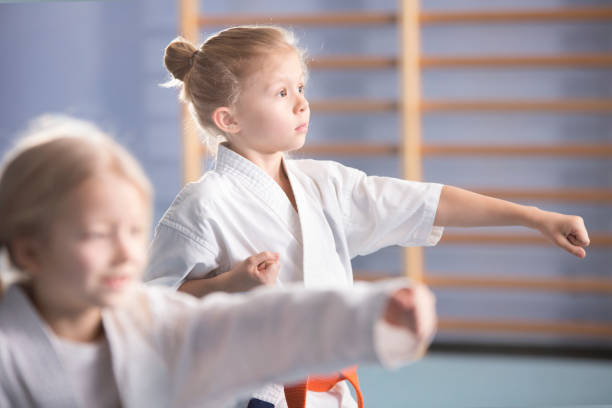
x=291, y=184
x=262, y=185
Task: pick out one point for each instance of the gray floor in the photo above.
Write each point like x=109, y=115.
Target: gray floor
x=468, y=380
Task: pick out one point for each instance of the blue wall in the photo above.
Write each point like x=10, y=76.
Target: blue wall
x=97, y=60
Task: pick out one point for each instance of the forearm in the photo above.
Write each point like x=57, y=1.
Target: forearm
x=258, y=269
x=204, y=286
x=463, y=208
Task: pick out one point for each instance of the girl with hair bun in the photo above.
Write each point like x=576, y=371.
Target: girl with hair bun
x=247, y=84
x=78, y=330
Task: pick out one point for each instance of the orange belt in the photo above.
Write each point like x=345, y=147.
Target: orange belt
x=296, y=394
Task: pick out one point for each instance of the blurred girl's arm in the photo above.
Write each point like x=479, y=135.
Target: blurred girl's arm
x=226, y=345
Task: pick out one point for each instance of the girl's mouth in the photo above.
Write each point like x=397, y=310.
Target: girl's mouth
x=116, y=282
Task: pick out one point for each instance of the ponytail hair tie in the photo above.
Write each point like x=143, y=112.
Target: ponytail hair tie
x=192, y=57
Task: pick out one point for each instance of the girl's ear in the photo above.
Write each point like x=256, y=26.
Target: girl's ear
x=225, y=121
x=25, y=254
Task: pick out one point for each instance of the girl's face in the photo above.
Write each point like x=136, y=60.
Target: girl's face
x=96, y=247
x=272, y=112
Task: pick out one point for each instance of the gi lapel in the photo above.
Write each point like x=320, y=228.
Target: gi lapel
x=322, y=267
x=140, y=370
x=261, y=185
x=41, y=370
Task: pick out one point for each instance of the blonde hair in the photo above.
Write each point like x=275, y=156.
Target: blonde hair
x=211, y=75
x=55, y=156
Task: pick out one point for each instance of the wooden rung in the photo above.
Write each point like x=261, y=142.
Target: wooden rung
x=597, y=240
x=593, y=106
x=574, y=285
x=382, y=62
x=352, y=62
x=336, y=18
x=436, y=280
x=518, y=16
x=351, y=149
x=576, y=60
x=561, y=150
x=378, y=18
x=571, y=195
x=354, y=105
x=376, y=149
x=526, y=327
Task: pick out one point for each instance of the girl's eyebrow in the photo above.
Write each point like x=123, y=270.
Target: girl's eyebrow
x=275, y=81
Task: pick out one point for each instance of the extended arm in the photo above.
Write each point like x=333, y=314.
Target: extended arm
x=462, y=208
x=227, y=345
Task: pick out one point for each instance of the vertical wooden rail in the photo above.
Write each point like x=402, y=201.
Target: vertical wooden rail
x=192, y=150
x=410, y=112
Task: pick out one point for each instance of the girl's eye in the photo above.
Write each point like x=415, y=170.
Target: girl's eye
x=301, y=89
x=136, y=231
x=282, y=93
x=95, y=234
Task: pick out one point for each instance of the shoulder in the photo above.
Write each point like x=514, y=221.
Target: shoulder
x=196, y=197
x=196, y=204
x=16, y=312
x=191, y=223
x=326, y=172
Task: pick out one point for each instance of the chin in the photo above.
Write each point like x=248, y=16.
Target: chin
x=111, y=301
x=116, y=296
x=297, y=145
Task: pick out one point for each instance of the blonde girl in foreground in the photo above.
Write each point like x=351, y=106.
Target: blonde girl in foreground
x=80, y=331
x=247, y=84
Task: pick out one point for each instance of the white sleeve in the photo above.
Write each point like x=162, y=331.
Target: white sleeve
x=4, y=388
x=4, y=399
x=383, y=211
x=177, y=253
x=13, y=390
x=225, y=346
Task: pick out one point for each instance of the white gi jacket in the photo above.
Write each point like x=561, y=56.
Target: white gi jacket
x=172, y=350
x=236, y=210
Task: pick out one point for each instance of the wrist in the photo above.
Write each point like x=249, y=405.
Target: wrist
x=232, y=281
x=236, y=281
x=533, y=217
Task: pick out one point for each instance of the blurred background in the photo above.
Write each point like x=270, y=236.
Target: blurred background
x=516, y=101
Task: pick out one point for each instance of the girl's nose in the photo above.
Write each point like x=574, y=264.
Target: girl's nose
x=301, y=104
x=123, y=247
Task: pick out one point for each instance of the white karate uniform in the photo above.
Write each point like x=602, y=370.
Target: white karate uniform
x=236, y=210
x=90, y=371
x=169, y=349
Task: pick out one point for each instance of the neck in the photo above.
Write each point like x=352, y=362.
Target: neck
x=69, y=322
x=271, y=163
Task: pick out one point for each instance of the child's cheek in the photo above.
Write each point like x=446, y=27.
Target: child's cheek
x=94, y=256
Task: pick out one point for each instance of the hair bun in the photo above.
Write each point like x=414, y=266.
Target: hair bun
x=178, y=57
